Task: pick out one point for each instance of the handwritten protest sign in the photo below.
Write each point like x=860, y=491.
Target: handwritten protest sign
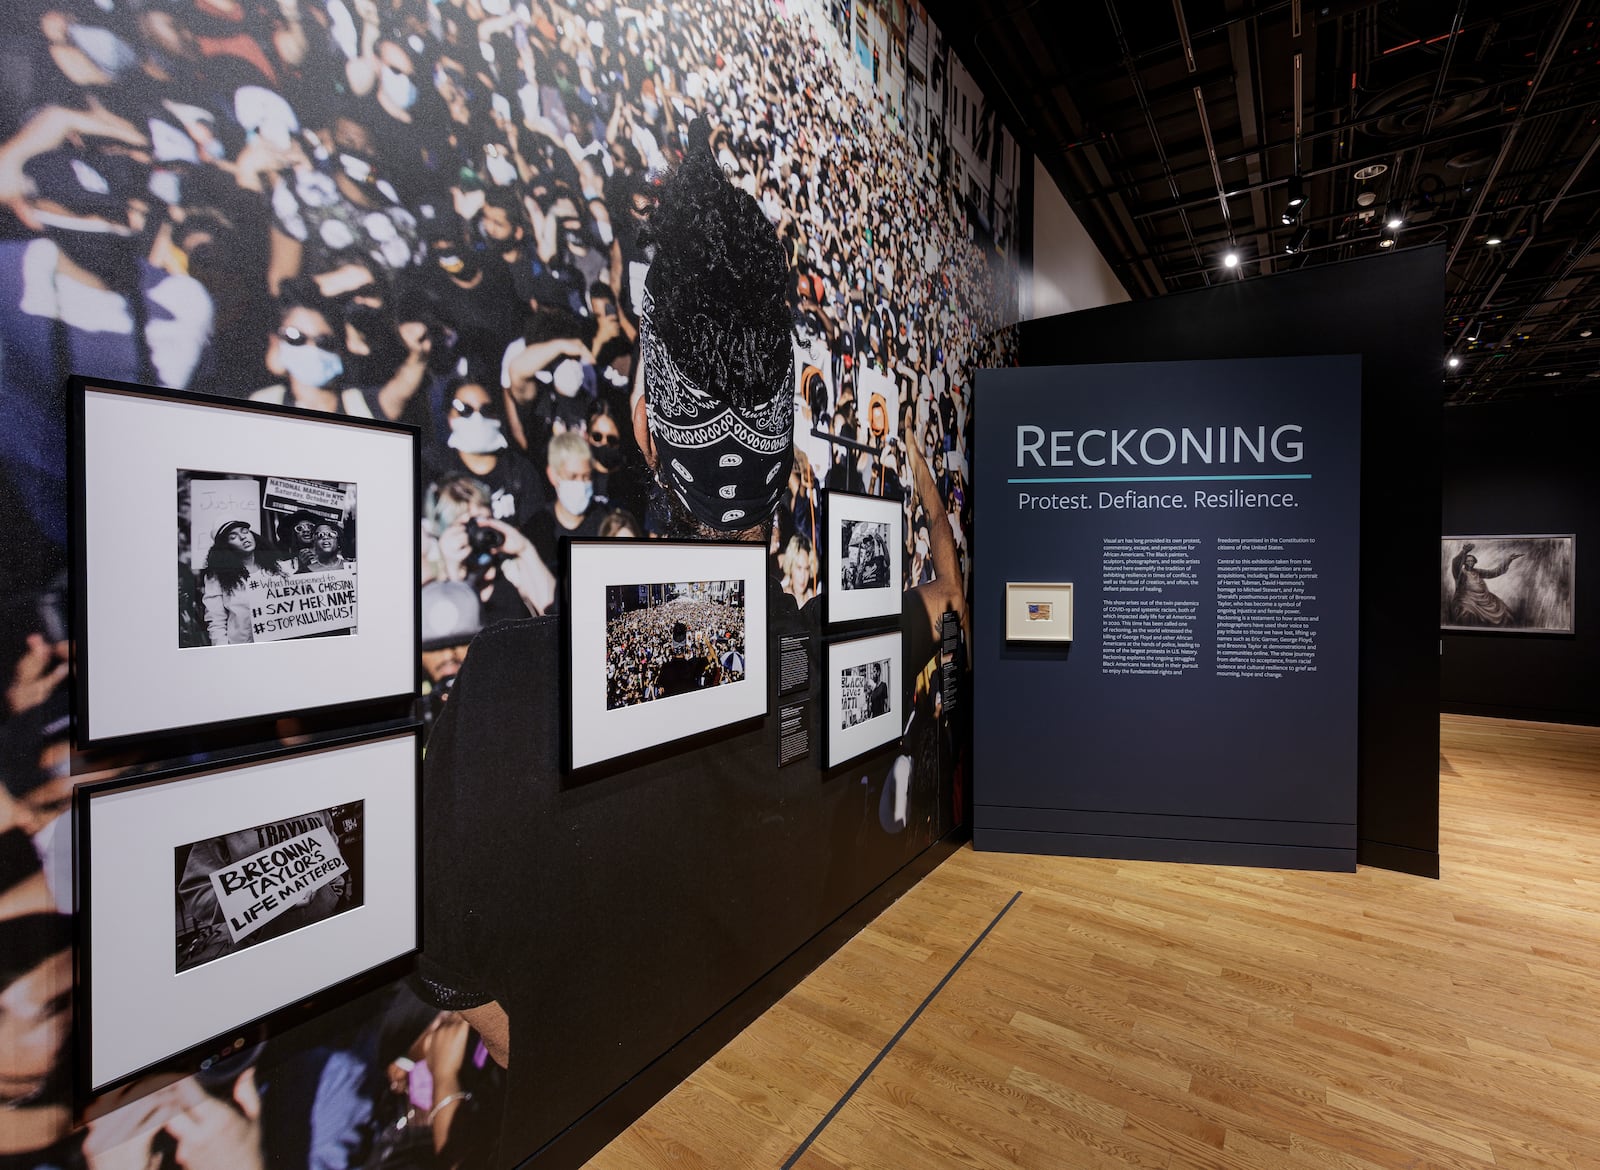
x=253, y=892
x=853, y=699
x=306, y=603
x=214, y=502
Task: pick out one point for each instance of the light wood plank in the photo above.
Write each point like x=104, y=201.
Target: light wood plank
x=1173, y=1016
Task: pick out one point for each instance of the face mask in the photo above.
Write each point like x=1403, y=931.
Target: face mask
x=398, y=88
x=608, y=456
x=477, y=435
x=308, y=364
x=575, y=495
x=166, y=186
x=568, y=377
x=356, y=167
x=108, y=51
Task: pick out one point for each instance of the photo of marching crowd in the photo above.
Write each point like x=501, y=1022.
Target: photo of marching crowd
x=673, y=639
x=438, y=212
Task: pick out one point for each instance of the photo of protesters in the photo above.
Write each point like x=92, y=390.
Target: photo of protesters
x=260, y=883
x=245, y=545
x=447, y=214
x=673, y=639
x=864, y=692
x=866, y=546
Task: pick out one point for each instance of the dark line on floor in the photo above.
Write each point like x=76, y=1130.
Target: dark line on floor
x=895, y=1039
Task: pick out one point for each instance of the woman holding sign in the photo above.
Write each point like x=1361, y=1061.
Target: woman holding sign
x=239, y=565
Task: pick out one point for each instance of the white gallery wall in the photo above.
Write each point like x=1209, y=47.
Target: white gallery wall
x=1068, y=271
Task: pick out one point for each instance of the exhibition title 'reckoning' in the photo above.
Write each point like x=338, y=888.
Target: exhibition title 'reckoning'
x=1158, y=446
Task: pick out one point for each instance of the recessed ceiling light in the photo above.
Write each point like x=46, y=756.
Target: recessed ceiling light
x=1394, y=223
x=1366, y=198
x=1453, y=362
x=1372, y=171
x=1386, y=242
x=1494, y=240
x=1553, y=374
x=1231, y=260
x=1587, y=333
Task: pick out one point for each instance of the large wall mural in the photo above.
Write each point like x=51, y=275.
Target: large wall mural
x=495, y=221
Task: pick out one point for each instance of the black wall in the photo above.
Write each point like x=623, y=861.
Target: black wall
x=1387, y=309
x=1525, y=467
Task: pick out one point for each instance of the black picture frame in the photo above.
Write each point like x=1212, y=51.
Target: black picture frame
x=845, y=606
x=598, y=737
x=96, y=685
x=399, y=912
x=1536, y=598
x=853, y=731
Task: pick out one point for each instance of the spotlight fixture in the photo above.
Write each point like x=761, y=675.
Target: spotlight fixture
x=1386, y=242
x=1394, y=221
x=1288, y=218
x=1587, y=333
x=1297, y=191
x=1297, y=242
x=1230, y=260
x=1494, y=237
x=1453, y=362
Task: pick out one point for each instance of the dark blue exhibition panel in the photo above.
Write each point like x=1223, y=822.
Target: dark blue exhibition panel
x=1206, y=514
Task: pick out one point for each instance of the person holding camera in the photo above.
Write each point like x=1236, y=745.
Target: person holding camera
x=493, y=557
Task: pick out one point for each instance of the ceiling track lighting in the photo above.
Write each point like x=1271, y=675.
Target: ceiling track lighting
x=1297, y=192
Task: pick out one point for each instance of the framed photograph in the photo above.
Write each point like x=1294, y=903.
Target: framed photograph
x=664, y=640
x=863, y=553
x=864, y=704
x=211, y=898
x=1508, y=584
x=239, y=561
x=1038, y=611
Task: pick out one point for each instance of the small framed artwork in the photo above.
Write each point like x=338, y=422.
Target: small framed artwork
x=664, y=640
x=862, y=563
x=211, y=898
x=1508, y=584
x=240, y=561
x=1038, y=611
x=864, y=699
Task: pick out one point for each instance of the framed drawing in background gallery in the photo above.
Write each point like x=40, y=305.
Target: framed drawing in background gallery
x=864, y=706
x=211, y=899
x=240, y=561
x=1508, y=584
x=1038, y=611
x=663, y=640
x=863, y=550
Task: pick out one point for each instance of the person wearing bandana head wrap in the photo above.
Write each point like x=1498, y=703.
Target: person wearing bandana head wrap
x=716, y=419
x=713, y=417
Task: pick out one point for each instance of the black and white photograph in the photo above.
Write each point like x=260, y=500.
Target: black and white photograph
x=865, y=704
x=244, y=887
x=672, y=639
x=214, y=563
x=213, y=896
x=665, y=640
x=1508, y=584
x=863, y=693
x=264, y=558
x=865, y=549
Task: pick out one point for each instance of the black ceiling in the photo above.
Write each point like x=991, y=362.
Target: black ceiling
x=1175, y=128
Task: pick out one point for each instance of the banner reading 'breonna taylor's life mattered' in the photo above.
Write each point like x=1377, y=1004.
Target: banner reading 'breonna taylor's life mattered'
x=255, y=891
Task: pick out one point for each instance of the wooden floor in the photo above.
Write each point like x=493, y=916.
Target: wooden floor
x=1138, y=1014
